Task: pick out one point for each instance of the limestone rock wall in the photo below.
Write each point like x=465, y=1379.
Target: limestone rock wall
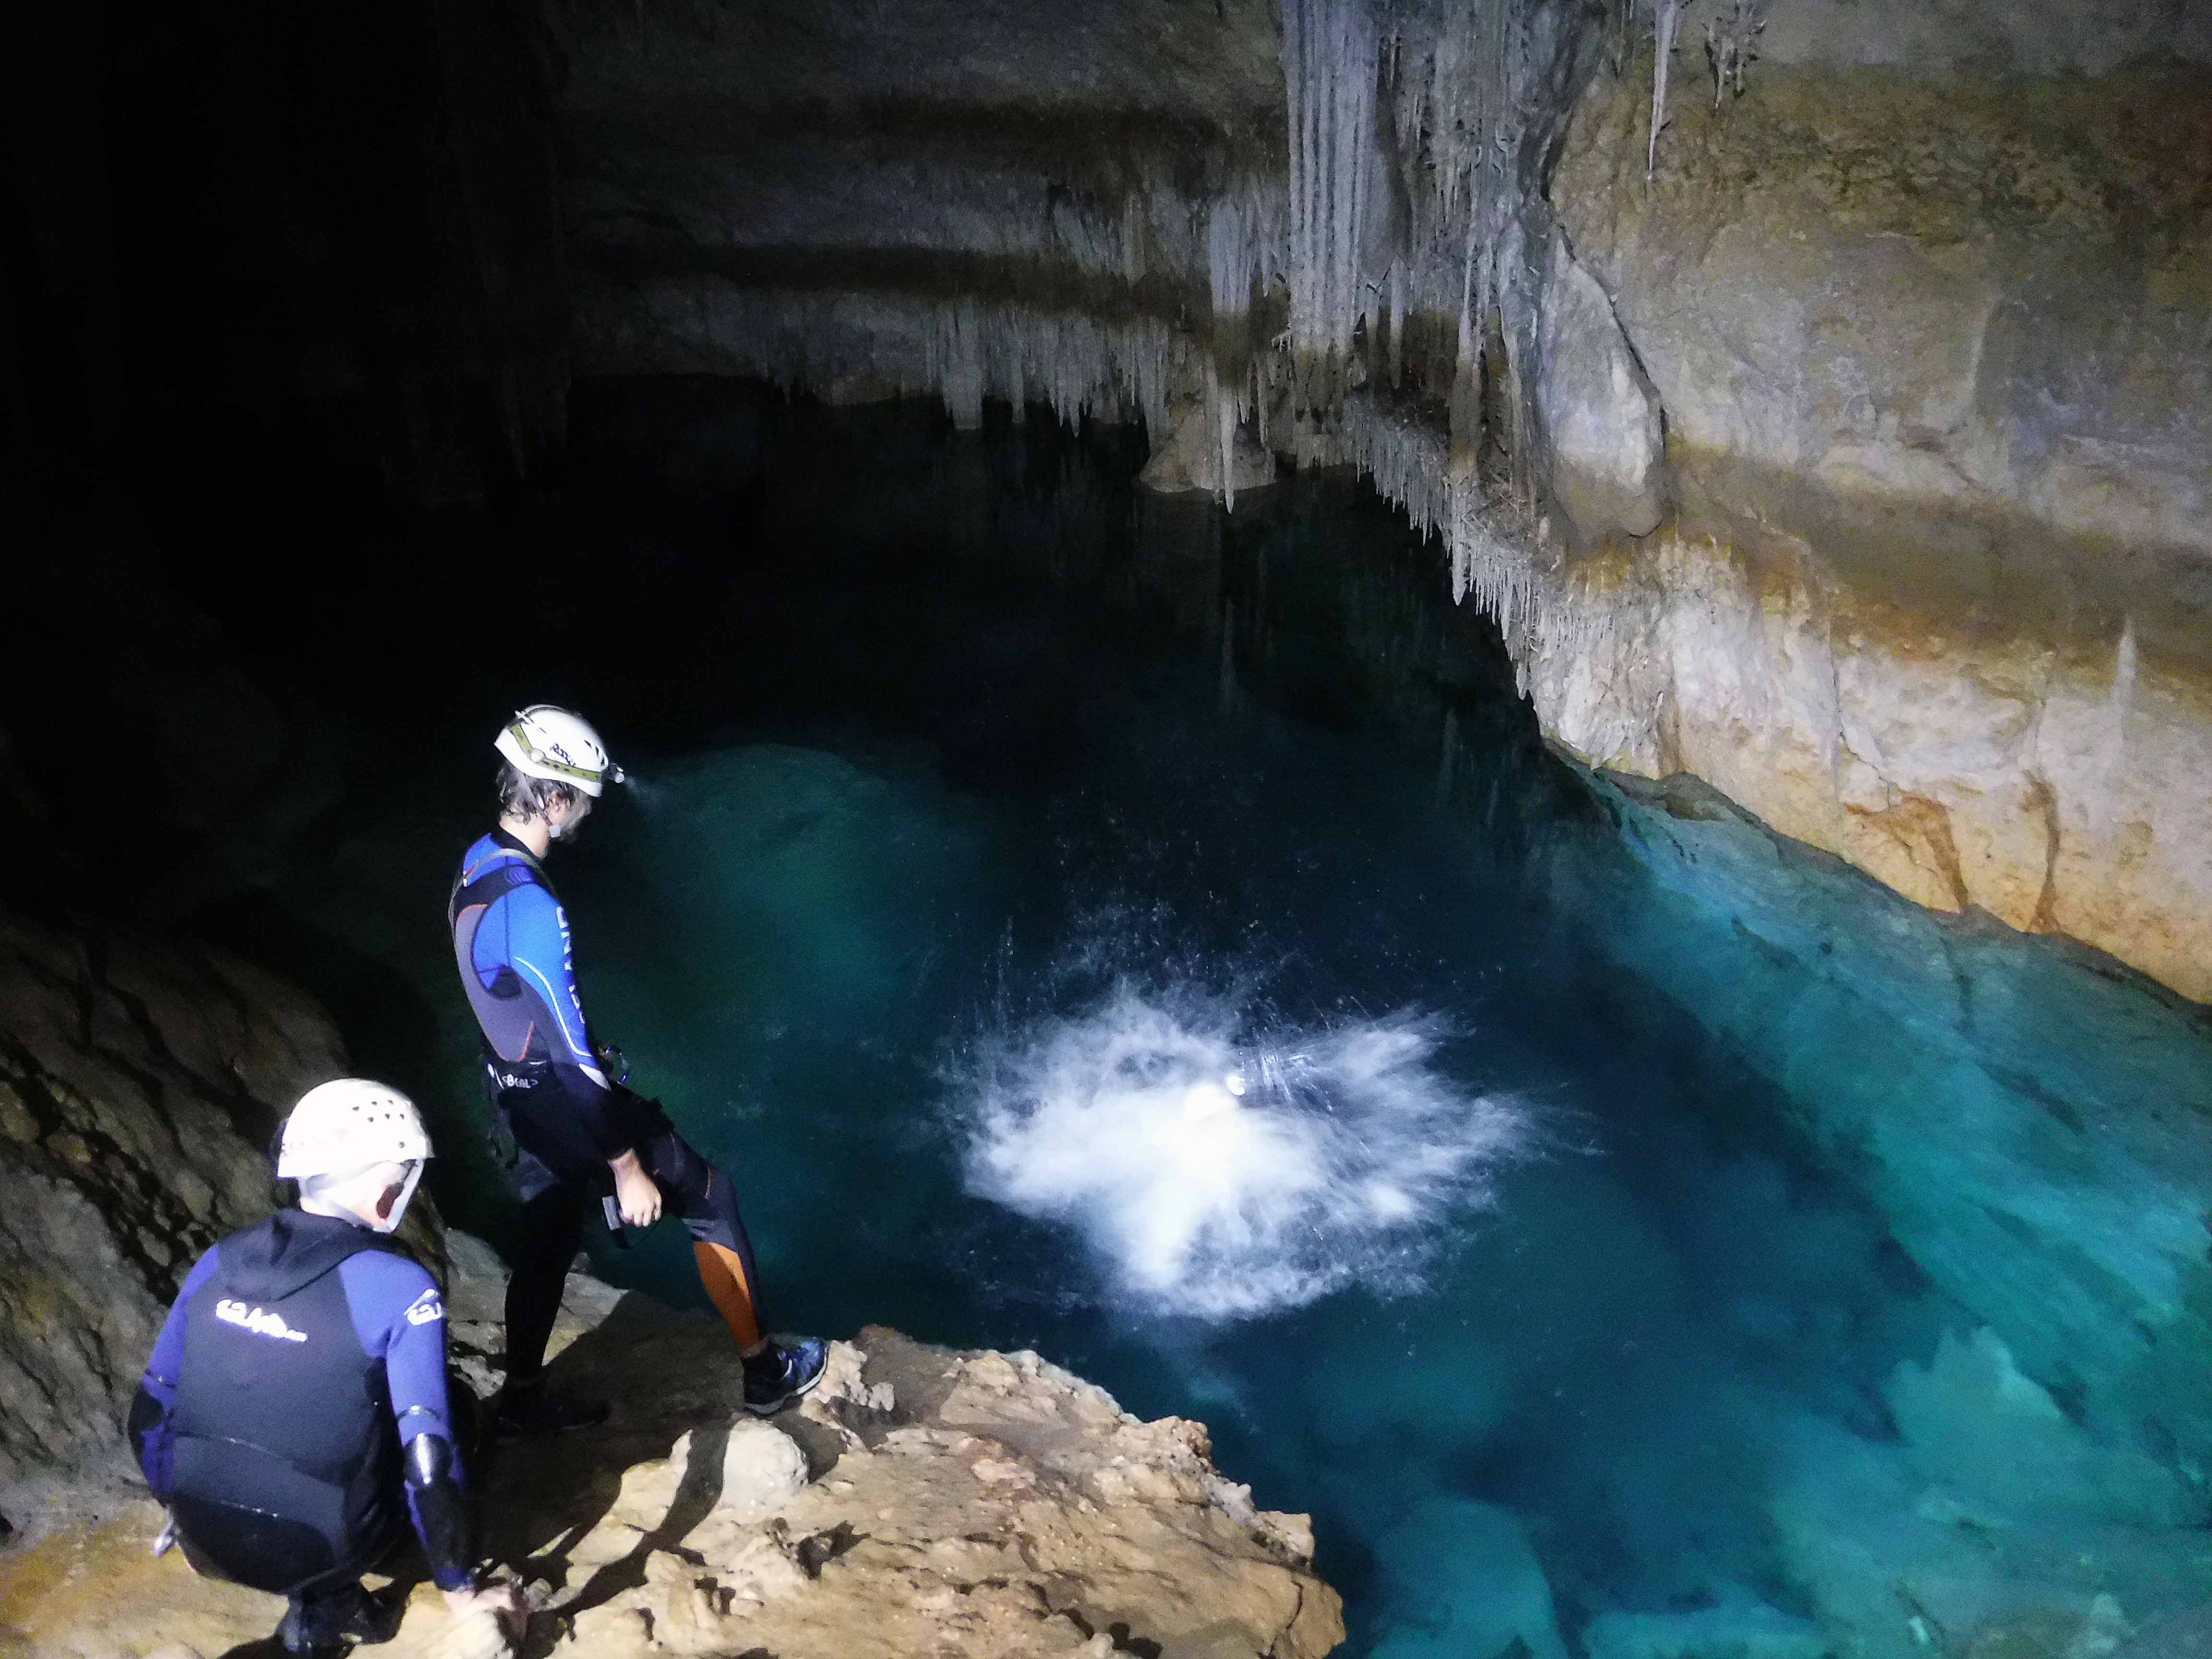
x=1936, y=593
x=139, y=1085
x=1011, y=201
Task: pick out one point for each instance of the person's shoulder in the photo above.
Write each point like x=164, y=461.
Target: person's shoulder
x=494, y=854
x=482, y=853
x=387, y=1284
x=202, y=1270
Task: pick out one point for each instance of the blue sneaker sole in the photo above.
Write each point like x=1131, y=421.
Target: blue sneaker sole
x=799, y=1393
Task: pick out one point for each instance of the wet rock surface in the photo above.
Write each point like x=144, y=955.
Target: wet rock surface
x=139, y=1084
x=920, y=1501
x=1600, y=412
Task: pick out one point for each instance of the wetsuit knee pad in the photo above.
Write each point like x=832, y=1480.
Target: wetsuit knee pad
x=698, y=1192
x=701, y=1193
x=250, y=1547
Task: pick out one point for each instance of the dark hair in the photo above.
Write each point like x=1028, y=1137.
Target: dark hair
x=521, y=796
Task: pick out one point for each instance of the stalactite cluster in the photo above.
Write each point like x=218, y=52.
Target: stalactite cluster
x=1329, y=64
x=963, y=350
x=1495, y=544
x=1408, y=203
x=1369, y=298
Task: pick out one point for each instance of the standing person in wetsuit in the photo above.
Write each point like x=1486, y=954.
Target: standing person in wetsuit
x=294, y=1415
x=579, y=1136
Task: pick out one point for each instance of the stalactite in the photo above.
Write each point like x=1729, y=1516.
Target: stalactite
x=1244, y=229
x=956, y=364
x=1493, y=546
x=1729, y=44
x=1665, y=20
x=1152, y=228
x=1403, y=208
x=1329, y=71
x=1221, y=413
x=1394, y=364
x=1133, y=216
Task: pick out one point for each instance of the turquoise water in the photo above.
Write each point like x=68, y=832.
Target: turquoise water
x=1090, y=927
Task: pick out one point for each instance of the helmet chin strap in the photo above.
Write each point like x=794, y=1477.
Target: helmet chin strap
x=362, y=1208
x=398, y=1211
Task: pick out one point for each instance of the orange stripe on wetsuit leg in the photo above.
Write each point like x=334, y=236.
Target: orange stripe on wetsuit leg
x=723, y=1273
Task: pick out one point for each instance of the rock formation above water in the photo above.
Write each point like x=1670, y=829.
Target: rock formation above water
x=920, y=1501
x=1932, y=349
x=1854, y=461
x=1812, y=391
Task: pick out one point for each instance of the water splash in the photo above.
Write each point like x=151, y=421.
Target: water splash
x=1220, y=1169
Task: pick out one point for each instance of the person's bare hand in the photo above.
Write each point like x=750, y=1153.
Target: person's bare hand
x=499, y=1600
x=637, y=1195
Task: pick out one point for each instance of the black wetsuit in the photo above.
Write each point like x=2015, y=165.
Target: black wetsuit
x=296, y=1414
x=511, y=944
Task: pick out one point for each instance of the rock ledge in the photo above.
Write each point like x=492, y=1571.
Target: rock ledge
x=921, y=1501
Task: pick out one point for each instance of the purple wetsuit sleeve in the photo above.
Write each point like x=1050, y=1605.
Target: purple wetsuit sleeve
x=400, y=1317
x=166, y=1362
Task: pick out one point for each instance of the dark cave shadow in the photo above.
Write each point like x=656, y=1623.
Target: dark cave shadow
x=405, y=1572
x=696, y=1495
x=543, y=1498
x=391, y=1034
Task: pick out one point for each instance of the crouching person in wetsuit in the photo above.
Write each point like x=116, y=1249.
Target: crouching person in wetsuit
x=581, y=1136
x=294, y=1415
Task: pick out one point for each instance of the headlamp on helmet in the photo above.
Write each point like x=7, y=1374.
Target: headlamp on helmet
x=544, y=741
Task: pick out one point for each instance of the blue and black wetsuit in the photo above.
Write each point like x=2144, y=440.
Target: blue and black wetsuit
x=511, y=946
x=294, y=1414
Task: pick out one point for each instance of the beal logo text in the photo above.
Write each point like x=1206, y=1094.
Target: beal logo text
x=261, y=1323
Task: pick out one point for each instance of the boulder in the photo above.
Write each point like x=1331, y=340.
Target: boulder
x=1191, y=458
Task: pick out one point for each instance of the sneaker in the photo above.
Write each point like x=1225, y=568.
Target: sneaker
x=523, y=1412
x=778, y=1374
x=328, y=1624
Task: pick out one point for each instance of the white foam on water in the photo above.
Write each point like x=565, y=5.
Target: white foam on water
x=1220, y=1170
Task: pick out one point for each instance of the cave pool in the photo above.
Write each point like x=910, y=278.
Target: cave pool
x=1635, y=1238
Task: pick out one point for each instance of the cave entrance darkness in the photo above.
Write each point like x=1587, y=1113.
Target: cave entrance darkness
x=1634, y=1236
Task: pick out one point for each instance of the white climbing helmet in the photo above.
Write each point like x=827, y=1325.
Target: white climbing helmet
x=546, y=742
x=348, y=1125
